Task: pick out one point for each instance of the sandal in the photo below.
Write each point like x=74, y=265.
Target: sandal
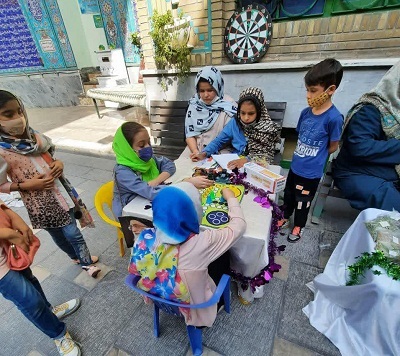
x=295, y=235
x=92, y=270
x=283, y=223
x=243, y=301
x=95, y=259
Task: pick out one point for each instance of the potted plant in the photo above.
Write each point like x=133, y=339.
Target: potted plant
x=170, y=38
x=136, y=42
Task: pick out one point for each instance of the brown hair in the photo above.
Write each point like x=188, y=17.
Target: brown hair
x=130, y=129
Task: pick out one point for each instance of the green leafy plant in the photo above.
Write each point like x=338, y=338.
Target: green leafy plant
x=169, y=48
x=136, y=42
x=368, y=261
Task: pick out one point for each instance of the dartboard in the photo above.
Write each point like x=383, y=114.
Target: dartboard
x=248, y=34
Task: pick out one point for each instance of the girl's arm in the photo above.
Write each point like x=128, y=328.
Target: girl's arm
x=164, y=164
x=20, y=234
x=215, y=242
x=40, y=182
x=56, y=168
x=333, y=146
x=237, y=163
x=160, y=179
x=129, y=182
x=224, y=137
x=4, y=183
x=166, y=167
x=192, y=144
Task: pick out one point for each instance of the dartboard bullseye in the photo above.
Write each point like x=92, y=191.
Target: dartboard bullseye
x=248, y=34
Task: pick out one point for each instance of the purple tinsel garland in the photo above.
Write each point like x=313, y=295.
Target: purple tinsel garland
x=268, y=271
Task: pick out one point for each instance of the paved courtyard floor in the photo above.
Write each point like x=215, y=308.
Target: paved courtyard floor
x=112, y=320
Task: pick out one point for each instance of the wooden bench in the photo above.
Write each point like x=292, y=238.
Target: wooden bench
x=130, y=94
x=167, y=125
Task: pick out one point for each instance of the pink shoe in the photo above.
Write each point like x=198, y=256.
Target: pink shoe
x=92, y=270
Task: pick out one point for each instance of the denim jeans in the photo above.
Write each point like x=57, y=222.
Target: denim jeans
x=24, y=290
x=70, y=239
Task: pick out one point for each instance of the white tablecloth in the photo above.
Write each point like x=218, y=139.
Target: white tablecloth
x=363, y=319
x=250, y=254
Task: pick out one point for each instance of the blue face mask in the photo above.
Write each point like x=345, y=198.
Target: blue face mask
x=146, y=153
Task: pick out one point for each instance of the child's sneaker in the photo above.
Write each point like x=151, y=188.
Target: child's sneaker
x=66, y=346
x=92, y=270
x=283, y=223
x=66, y=308
x=295, y=235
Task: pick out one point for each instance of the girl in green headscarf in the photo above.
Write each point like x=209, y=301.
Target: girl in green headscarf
x=138, y=171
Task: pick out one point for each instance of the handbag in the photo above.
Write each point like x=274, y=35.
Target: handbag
x=17, y=258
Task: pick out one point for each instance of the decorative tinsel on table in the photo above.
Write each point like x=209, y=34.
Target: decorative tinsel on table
x=262, y=197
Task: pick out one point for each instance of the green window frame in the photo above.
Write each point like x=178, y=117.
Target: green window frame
x=330, y=8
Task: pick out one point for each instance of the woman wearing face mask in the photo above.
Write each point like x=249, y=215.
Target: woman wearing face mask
x=26, y=159
x=138, y=171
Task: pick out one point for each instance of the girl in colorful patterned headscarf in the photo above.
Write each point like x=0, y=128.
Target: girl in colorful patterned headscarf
x=172, y=259
x=209, y=110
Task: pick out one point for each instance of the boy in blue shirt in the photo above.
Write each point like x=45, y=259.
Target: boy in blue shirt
x=319, y=129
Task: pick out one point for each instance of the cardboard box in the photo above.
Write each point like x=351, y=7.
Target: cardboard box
x=264, y=178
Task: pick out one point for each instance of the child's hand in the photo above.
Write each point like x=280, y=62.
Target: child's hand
x=153, y=183
x=237, y=163
x=200, y=182
x=198, y=156
x=40, y=182
x=57, y=168
x=18, y=224
x=15, y=238
x=227, y=193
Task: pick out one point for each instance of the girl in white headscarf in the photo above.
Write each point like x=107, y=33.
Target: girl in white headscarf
x=209, y=110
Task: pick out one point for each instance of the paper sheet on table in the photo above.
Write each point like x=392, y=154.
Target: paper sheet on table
x=207, y=163
x=224, y=159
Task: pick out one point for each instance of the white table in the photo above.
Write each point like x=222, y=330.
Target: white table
x=250, y=254
x=363, y=319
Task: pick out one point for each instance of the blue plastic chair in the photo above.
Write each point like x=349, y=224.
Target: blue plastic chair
x=195, y=334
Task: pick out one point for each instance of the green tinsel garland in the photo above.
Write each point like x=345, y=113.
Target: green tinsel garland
x=367, y=261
